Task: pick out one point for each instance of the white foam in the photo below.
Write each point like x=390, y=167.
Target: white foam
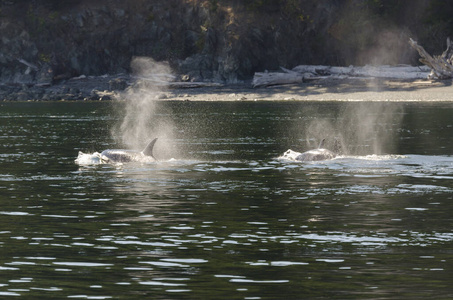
x=293, y=155
x=375, y=157
x=289, y=155
x=88, y=158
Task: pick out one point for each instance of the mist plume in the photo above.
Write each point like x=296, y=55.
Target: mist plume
x=141, y=117
x=361, y=128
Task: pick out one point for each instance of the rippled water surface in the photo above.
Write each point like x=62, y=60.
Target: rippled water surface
x=222, y=216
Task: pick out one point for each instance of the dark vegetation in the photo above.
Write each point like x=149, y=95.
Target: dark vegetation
x=221, y=40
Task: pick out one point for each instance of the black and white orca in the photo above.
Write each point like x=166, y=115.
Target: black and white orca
x=123, y=155
x=315, y=154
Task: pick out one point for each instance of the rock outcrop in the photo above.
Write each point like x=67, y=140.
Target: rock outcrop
x=44, y=41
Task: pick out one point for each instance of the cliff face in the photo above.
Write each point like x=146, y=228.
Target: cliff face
x=44, y=40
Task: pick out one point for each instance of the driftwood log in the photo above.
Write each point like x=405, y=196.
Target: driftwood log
x=263, y=79
x=29, y=65
x=441, y=65
x=306, y=73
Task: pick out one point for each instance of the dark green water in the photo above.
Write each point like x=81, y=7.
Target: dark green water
x=225, y=218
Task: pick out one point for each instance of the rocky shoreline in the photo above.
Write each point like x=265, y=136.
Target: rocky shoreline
x=111, y=87
x=74, y=89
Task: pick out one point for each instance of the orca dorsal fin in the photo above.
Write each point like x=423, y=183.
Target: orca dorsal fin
x=148, y=151
x=321, y=144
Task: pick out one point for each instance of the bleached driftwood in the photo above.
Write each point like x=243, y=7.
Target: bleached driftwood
x=28, y=64
x=441, y=65
x=263, y=79
x=304, y=73
x=367, y=71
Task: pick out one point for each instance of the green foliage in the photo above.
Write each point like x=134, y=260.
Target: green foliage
x=44, y=57
x=151, y=17
x=53, y=15
x=293, y=9
x=37, y=22
x=200, y=42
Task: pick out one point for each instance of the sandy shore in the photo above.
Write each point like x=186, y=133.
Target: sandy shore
x=327, y=89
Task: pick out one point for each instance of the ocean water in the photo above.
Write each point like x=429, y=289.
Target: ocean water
x=222, y=215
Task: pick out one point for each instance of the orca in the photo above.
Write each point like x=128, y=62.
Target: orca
x=124, y=156
x=313, y=155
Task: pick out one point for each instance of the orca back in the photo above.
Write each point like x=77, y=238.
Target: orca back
x=119, y=155
x=316, y=155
